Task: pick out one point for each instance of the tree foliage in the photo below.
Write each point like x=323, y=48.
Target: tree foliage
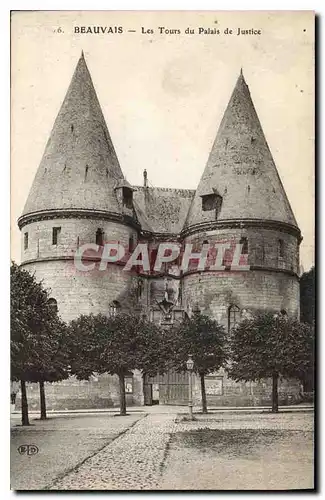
x=38, y=335
x=115, y=345
x=205, y=340
x=270, y=345
x=307, y=297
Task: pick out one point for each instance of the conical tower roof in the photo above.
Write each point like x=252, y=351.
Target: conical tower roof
x=79, y=168
x=241, y=169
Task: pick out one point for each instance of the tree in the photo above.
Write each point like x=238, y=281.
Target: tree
x=307, y=297
x=205, y=340
x=56, y=367
x=115, y=345
x=36, y=336
x=270, y=345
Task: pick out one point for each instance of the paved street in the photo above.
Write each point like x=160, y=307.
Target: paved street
x=154, y=448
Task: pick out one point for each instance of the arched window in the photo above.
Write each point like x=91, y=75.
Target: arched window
x=234, y=314
x=113, y=308
x=53, y=304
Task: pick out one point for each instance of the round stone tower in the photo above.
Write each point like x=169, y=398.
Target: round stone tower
x=79, y=196
x=240, y=199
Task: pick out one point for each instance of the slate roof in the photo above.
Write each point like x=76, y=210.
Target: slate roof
x=79, y=168
x=162, y=210
x=241, y=168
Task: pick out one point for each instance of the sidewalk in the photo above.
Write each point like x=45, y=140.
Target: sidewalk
x=174, y=409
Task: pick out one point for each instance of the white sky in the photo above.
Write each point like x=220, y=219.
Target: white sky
x=163, y=96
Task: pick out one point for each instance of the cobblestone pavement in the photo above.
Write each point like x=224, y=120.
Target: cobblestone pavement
x=132, y=462
x=161, y=451
x=63, y=442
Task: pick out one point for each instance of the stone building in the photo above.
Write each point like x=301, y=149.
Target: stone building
x=81, y=196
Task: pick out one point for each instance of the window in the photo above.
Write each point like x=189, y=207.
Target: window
x=244, y=241
x=53, y=304
x=100, y=237
x=196, y=310
x=208, y=202
x=127, y=197
x=212, y=202
x=113, y=308
x=131, y=244
x=234, y=314
x=281, y=249
x=140, y=286
x=152, y=258
x=25, y=241
x=55, y=235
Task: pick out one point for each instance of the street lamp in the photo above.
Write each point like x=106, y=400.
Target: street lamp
x=190, y=366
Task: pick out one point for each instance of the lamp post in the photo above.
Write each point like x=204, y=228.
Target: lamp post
x=190, y=366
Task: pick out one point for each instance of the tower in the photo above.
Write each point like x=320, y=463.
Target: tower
x=78, y=196
x=240, y=198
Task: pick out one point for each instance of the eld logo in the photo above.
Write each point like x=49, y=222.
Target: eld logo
x=27, y=449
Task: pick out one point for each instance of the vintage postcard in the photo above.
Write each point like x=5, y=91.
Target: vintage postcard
x=162, y=246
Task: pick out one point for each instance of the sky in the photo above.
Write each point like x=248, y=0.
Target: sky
x=163, y=94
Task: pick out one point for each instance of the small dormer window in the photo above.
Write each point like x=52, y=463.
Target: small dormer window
x=100, y=237
x=55, y=235
x=211, y=202
x=25, y=241
x=127, y=197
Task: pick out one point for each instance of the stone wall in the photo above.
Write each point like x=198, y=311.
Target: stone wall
x=231, y=393
x=269, y=284
x=77, y=292
x=213, y=293
x=74, y=233
x=101, y=391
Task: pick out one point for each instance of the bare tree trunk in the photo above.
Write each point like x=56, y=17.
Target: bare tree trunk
x=203, y=394
x=24, y=404
x=122, y=394
x=42, y=400
x=275, y=395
